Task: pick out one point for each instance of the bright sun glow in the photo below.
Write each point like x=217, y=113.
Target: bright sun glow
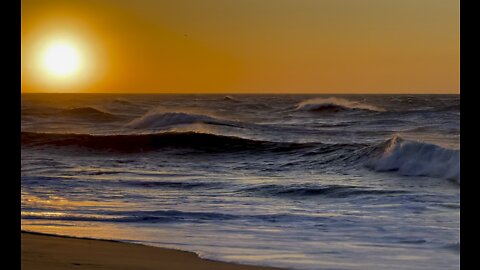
x=61, y=59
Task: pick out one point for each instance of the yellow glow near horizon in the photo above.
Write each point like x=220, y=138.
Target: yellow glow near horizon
x=61, y=59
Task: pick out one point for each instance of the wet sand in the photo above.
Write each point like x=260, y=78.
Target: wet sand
x=49, y=252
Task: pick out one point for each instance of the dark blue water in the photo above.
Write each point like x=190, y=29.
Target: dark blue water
x=298, y=181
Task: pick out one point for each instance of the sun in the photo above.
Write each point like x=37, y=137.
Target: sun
x=61, y=59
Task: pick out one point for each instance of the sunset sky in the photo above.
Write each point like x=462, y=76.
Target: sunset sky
x=242, y=46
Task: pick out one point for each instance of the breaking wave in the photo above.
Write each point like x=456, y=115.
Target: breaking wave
x=411, y=158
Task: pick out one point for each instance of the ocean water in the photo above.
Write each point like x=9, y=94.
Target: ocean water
x=294, y=181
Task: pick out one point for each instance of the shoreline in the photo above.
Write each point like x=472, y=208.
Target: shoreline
x=49, y=251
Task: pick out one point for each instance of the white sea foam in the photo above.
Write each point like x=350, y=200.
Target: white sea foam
x=413, y=158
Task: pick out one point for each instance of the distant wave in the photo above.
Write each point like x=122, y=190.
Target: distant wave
x=332, y=191
x=454, y=107
x=446, y=129
x=42, y=111
x=147, y=142
x=333, y=104
x=88, y=112
x=164, y=119
x=386, y=122
x=170, y=184
x=230, y=98
x=413, y=158
x=121, y=101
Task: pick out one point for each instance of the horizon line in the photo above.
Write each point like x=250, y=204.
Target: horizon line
x=237, y=93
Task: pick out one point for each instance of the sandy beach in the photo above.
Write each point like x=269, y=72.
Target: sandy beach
x=51, y=252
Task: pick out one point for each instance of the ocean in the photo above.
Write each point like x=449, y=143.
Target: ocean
x=296, y=181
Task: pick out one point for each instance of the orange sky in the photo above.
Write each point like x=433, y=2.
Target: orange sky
x=247, y=46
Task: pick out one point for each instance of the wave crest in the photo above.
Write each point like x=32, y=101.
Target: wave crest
x=413, y=158
x=88, y=112
x=333, y=104
x=165, y=119
x=148, y=142
x=230, y=98
x=333, y=191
